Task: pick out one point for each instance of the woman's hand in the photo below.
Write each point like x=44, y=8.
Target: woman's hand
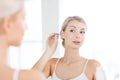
x=52, y=42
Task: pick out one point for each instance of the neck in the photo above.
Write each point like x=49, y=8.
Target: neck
x=3, y=52
x=71, y=55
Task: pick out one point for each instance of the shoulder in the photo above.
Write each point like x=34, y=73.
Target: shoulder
x=53, y=60
x=51, y=63
x=49, y=68
x=99, y=73
x=92, y=66
x=94, y=63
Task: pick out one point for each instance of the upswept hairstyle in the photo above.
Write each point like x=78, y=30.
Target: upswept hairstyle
x=66, y=22
x=9, y=7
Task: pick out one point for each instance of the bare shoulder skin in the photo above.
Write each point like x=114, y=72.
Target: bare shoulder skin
x=92, y=66
x=49, y=68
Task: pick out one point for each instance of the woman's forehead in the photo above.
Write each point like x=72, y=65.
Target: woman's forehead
x=75, y=24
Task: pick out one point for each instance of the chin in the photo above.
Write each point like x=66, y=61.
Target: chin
x=17, y=44
x=76, y=46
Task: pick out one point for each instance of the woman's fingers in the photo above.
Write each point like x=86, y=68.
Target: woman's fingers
x=52, y=39
x=54, y=36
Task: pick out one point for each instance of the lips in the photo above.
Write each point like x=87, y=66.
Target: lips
x=76, y=42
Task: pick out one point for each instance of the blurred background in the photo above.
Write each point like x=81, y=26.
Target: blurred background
x=46, y=16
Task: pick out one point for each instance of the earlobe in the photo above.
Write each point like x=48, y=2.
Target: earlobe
x=62, y=34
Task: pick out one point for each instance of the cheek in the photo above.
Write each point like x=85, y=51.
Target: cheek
x=68, y=35
x=82, y=38
x=20, y=26
x=69, y=38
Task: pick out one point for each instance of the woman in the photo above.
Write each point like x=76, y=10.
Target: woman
x=72, y=66
x=12, y=29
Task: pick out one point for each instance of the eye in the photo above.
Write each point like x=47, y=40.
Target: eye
x=82, y=32
x=72, y=30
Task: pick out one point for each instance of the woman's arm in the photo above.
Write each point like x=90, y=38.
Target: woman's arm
x=30, y=75
x=51, y=46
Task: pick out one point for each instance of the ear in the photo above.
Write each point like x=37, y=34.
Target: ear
x=62, y=34
x=6, y=23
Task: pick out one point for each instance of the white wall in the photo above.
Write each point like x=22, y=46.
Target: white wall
x=50, y=19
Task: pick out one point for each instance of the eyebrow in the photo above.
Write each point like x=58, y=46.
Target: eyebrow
x=80, y=29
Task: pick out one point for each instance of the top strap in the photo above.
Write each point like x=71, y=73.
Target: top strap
x=56, y=64
x=85, y=66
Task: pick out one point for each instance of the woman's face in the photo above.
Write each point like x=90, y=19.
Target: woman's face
x=74, y=34
x=17, y=28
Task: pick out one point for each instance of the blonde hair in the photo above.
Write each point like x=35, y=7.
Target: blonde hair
x=66, y=22
x=9, y=7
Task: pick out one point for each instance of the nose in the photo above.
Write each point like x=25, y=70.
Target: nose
x=77, y=35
